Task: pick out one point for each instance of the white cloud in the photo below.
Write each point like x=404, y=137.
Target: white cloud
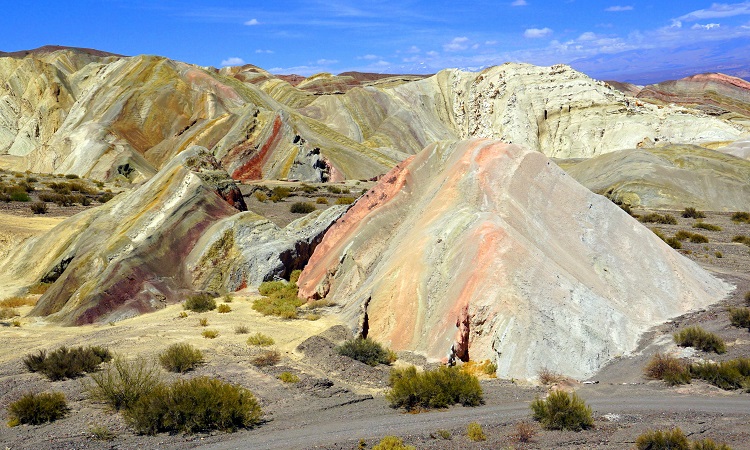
x=252, y=22
x=457, y=44
x=368, y=57
x=432, y=53
x=707, y=26
x=413, y=49
x=490, y=42
x=619, y=8
x=519, y=3
x=717, y=10
x=232, y=61
x=676, y=24
x=325, y=62
x=534, y=33
x=260, y=50
x=587, y=36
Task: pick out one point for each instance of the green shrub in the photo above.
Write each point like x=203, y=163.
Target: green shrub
x=728, y=375
x=302, y=208
x=708, y=444
x=224, y=308
x=241, y=329
x=321, y=201
x=261, y=340
x=662, y=440
x=39, y=208
x=279, y=193
x=121, y=382
x=747, y=298
x=104, y=198
x=101, y=433
x=741, y=216
x=200, y=303
x=700, y=339
x=210, y=334
x=672, y=370
x=439, y=388
x=195, y=405
x=562, y=411
x=266, y=358
x=202, y=321
x=181, y=358
x=288, y=377
x=740, y=317
x=707, y=226
x=742, y=239
x=280, y=299
x=36, y=409
x=365, y=350
x=19, y=195
x=67, y=362
x=682, y=235
x=692, y=213
x=475, y=432
x=333, y=189
x=345, y=200
x=698, y=238
x=392, y=443
x=674, y=243
x=666, y=219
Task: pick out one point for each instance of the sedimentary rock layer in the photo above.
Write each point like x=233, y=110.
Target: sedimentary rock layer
x=670, y=177
x=478, y=249
x=714, y=93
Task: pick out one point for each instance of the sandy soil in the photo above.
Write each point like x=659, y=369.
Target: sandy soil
x=339, y=401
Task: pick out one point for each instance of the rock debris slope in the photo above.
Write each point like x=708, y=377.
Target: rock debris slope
x=477, y=249
x=174, y=234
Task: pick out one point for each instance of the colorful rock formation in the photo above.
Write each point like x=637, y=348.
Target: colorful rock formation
x=713, y=93
x=482, y=250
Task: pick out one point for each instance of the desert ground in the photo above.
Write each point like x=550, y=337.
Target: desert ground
x=339, y=403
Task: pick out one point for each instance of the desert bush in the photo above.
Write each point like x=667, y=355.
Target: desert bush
x=227, y=298
x=241, y=329
x=260, y=196
x=16, y=301
x=288, y=377
x=210, y=334
x=333, y=189
x=261, y=340
x=279, y=193
x=71, y=176
x=181, y=358
x=365, y=350
x=666, y=219
x=728, y=375
x=444, y=434
x=19, y=195
x=195, y=405
x=224, y=308
x=321, y=201
x=525, y=432
x=698, y=238
x=485, y=367
x=673, y=439
x=182, y=315
x=708, y=444
x=267, y=358
x=302, y=207
x=306, y=188
x=562, y=411
x=104, y=198
x=203, y=322
x=747, y=298
x=345, y=200
x=294, y=276
x=742, y=239
x=101, y=433
x=437, y=388
x=700, y=339
x=32, y=179
x=36, y=409
x=122, y=382
x=475, y=432
x=38, y=208
x=706, y=226
x=740, y=317
x=741, y=216
x=672, y=370
x=693, y=213
x=200, y=303
x=8, y=313
x=674, y=243
x=682, y=235
x=67, y=362
x=548, y=377
x=718, y=254
x=392, y=443
x=280, y=299
x=39, y=288
x=4, y=197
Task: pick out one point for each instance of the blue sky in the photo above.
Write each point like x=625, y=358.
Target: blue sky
x=616, y=39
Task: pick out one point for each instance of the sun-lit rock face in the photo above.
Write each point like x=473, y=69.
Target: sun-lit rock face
x=714, y=93
x=182, y=231
x=479, y=250
x=68, y=111
x=670, y=177
x=555, y=110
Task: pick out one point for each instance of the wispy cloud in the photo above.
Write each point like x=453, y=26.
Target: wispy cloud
x=618, y=8
x=232, y=61
x=708, y=26
x=368, y=57
x=260, y=50
x=535, y=33
x=326, y=62
x=457, y=44
x=519, y=3
x=252, y=22
x=716, y=11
